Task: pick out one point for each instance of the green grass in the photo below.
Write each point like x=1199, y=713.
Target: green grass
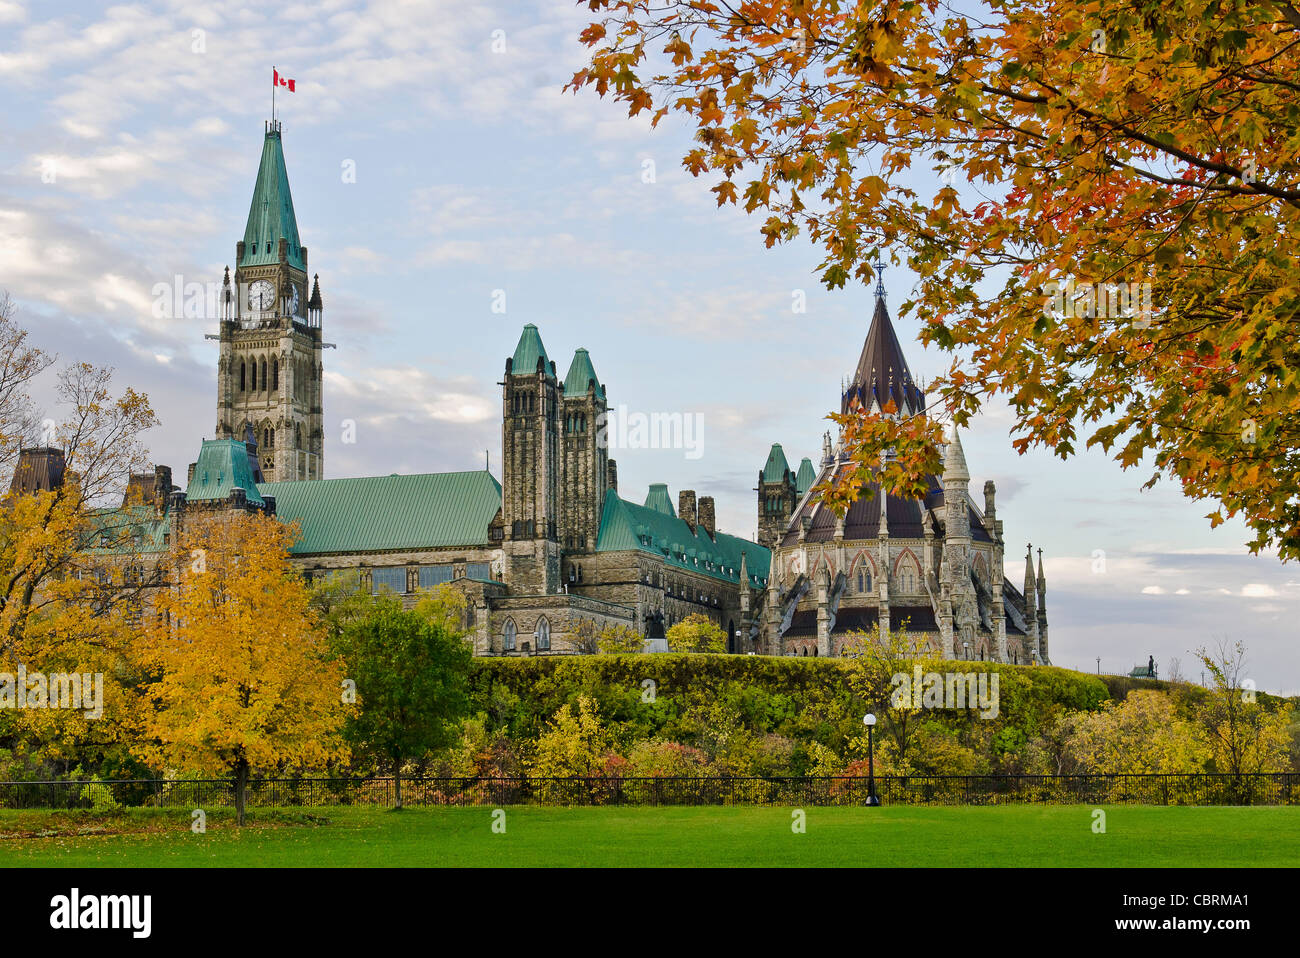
x=433, y=836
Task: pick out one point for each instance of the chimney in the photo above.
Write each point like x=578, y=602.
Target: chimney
x=613, y=476
x=39, y=469
x=686, y=507
x=708, y=518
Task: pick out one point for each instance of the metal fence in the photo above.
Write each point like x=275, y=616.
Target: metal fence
x=1278, y=788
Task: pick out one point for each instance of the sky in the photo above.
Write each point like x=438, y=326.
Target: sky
x=449, y=191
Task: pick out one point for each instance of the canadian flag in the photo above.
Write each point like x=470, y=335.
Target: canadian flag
x=283, y=81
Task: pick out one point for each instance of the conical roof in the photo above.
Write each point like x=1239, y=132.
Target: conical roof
x=882, y=372
x=954, y=460
x=807, y=476
x=270, y=215
x=777, y=466
x=581, y=374
x=528, y=352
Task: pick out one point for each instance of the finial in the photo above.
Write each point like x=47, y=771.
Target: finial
x=880, y=279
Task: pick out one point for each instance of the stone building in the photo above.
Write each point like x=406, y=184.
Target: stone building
x=554, y=552
x=934, y=565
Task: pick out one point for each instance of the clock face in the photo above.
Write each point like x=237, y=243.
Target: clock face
x=261, y=295
x=293, y=301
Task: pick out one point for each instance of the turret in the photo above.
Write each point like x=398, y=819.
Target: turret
x=1042, y=608
x=778, y=495
x=584, y=454
x=1031, y=604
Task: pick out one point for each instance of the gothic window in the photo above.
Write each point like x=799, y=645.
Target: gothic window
x=243, y=376
x=434, y=575
x=542, y=635
x=263, y=386
x=392, y=578
x=275, y=375
x=509, y=645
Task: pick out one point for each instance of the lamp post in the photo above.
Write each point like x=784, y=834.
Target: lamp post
x=869, y=720
x=965, y=650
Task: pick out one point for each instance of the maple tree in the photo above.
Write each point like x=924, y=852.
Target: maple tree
x=411, y=669
x=1099, y=201
x=242, y=679
x=72, y=572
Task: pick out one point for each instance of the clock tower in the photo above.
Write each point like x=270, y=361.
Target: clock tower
x=269, y=371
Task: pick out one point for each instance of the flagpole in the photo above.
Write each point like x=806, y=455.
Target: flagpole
x=273, y=96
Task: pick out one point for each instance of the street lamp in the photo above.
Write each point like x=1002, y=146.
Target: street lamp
x=869, y=721
x=965, y=650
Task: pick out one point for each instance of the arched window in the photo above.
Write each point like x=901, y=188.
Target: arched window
x=275, y=375
x=243, y=376
x=542, y=635
x=509, y=645
x=263, y=386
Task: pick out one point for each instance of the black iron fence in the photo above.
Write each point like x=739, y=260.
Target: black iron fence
x=1274, y=788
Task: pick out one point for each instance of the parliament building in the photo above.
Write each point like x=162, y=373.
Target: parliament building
x=556, y=551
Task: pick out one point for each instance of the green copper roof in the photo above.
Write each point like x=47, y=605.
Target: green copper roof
x=807, y=476
x=529, y=350
x=581, y=373
x=222, y=466
x=659, y=500
x=626, y=526
x=127, y=530
x=777, y=466
x=270, y=215
x=388, y=512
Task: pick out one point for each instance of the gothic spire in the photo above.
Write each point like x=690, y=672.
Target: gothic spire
x=954, y=460
x=270, y=215
x=882, y=373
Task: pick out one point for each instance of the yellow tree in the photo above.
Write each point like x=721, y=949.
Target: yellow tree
x=243, y=679
x=881, y=672
x=1100, y=200
x=696, y=633
x=73, y=567
x=619, y=640
x=1142, y=734
x=1245, y=734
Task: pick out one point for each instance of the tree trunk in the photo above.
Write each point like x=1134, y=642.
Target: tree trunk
x=241, y=788
x=397, y=783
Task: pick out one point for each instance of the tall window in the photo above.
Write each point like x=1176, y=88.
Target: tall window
x=478, y=570
x=275, y=375
x=392, y=578
x=434, y=575
x=864, y=579
x=510, y=635
x=243, y=376
x=542, y=635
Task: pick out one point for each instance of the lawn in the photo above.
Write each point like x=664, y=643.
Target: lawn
x=640, y=836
